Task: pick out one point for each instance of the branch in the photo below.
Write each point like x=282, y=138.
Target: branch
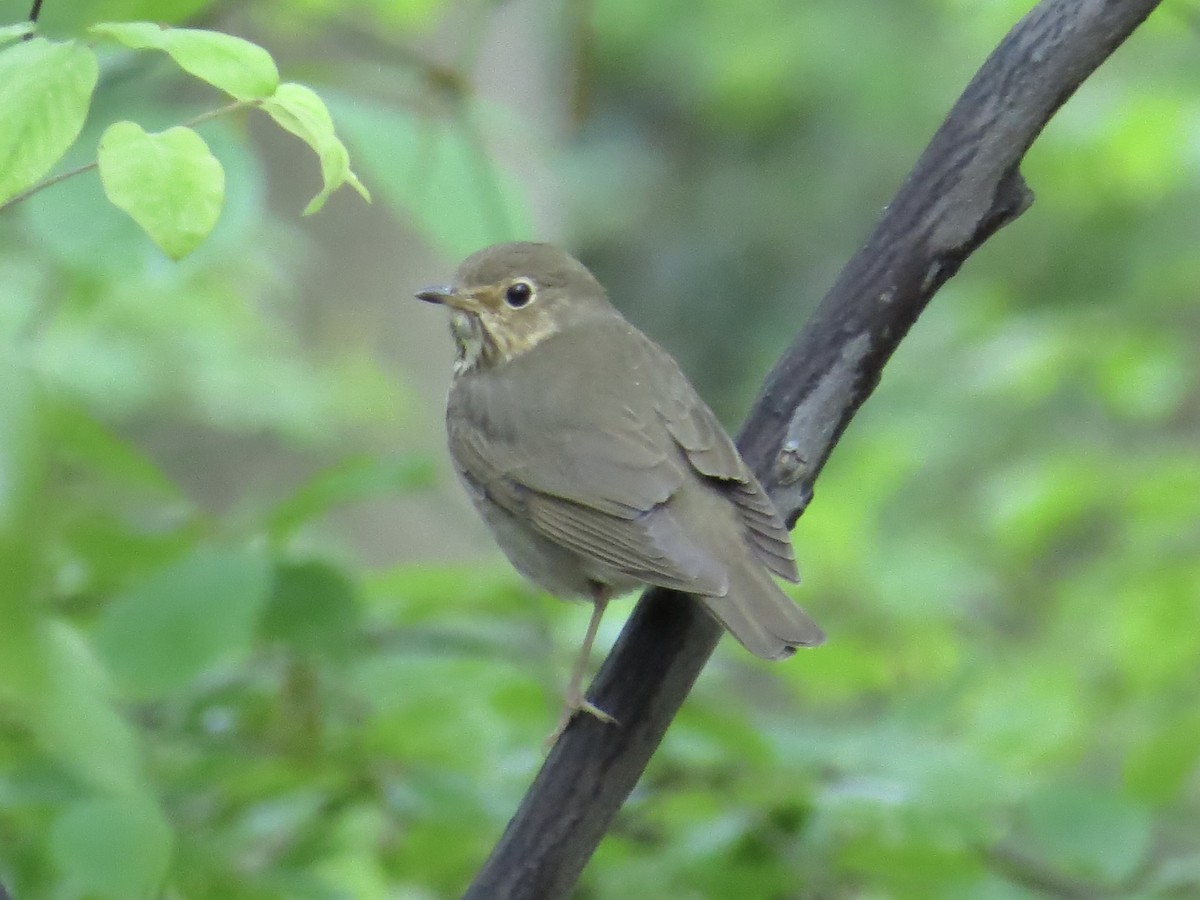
x=1028, y=871
x=965, y=187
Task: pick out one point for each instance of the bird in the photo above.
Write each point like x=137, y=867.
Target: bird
x=595, y=463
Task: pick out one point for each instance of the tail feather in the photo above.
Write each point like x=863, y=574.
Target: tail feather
x=764, y=619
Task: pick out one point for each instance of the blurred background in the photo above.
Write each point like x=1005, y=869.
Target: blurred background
x=254, y=642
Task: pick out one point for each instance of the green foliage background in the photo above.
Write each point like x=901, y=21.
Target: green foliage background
x=252, y=642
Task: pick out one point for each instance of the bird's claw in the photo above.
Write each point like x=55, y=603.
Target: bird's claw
x=574, y=705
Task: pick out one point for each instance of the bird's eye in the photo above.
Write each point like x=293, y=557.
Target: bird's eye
x=519, y=294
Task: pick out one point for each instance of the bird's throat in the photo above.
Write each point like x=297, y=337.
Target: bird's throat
x=470, y=340
x=487, y=340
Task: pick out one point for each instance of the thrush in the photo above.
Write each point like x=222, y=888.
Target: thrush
x=595, y=463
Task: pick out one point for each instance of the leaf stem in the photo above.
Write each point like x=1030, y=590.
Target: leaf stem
x=63, y=176
x=42, y=185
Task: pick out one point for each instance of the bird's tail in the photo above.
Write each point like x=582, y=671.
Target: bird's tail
x=764, y=619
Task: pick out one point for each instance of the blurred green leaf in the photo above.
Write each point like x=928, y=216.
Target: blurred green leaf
x=236, y=66
x=78, y=15
x=913, y=868
x=435, y=172
x=20, y=436
x=1157, y=768
x=299, y=110
x=169, y=183
x=73, y=714
x=1089, y=831
x=313, y=608
x=86, y=442
x=22, y=473
x=188, y=618
x=45, y=89
x=10, y=33
x=351, y=480
x=112, y=847
x=1152, y=650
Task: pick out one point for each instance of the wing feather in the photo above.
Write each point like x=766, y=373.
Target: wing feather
x=597, y=476
x=713, y=454
x=651, y=548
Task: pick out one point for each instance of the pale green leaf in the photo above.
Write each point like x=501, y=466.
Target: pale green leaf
x=299, y=110
x=113, y=846
x=10, y=33
x=45, y=90
x=169, y=183
x=236, y=66
x=186, y=619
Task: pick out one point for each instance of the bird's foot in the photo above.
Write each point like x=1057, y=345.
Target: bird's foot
x=575, y=704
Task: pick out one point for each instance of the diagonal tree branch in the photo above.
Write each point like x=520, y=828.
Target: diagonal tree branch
x=964, y=188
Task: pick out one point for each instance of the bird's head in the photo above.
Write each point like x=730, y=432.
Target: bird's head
x=508, y=298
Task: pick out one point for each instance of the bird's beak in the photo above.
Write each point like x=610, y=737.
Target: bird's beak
x=443, y=295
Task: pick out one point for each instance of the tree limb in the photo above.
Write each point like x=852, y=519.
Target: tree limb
x=965, y=187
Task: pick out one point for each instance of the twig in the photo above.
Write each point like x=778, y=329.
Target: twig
x=87, y=167
x=965, y=186
x=28, y=36
x=49, y=182
x=1024, y=869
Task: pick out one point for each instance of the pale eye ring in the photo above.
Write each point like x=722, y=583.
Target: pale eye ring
x=519, y=293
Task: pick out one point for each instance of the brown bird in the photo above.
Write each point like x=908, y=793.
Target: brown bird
x=595, y=463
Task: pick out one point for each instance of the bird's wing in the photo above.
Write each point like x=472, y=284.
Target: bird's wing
x=600, y=494
x=712, y=453
x=592, y=464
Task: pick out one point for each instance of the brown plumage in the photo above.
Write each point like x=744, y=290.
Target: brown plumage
x=592, y=458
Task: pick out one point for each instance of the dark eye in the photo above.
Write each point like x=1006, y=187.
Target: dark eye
x=519, y=294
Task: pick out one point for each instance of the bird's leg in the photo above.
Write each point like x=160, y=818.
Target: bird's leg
x=575, y=700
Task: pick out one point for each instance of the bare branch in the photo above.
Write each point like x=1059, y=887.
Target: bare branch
x=965, y=186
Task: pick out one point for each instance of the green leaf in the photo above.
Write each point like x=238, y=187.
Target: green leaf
x=299, y=110
x=20, y=437
x=435, y=172
x=74, y=717
x=236, y=66
x=45, y=90
x=353, y=479
x=1157, y=769
x=313, y=608
x=10, y=33
x=81, y=439
x=22, y=549
x=1088, y=830
x=169, y=183
x=192, y=616
x=114, y=847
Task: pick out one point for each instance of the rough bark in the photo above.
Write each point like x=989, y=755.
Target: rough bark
x=965, y=186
